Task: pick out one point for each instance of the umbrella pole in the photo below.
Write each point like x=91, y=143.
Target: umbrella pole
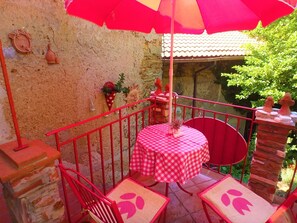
x=171, y=60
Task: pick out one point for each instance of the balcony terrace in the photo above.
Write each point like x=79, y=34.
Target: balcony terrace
x=101, y=148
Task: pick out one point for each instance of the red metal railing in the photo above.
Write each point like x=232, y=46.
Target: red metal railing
x=241, y=118
x=101, y=147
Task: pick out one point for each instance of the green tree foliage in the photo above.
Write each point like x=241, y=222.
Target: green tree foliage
x=270, y=69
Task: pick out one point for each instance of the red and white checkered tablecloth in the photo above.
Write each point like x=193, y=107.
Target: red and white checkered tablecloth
x=169, y=158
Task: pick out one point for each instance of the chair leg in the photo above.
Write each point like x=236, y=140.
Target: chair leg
x=188, y=192
x=206, y=212
x=162, y=217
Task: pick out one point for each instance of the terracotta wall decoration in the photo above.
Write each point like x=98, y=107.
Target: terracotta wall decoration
x=50, y=56
x=21, y=41
x=133, y=94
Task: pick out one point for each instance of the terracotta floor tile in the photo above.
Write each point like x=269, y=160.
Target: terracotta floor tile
x=175, y=209
x=185, y=219
x=191, y=203
x=201, y=178
x=174, y=186
x=199, y=216
x=202, y=186
x=211, y=174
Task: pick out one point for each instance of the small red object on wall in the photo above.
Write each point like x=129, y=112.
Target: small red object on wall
x=109, y=93
x=158, y=84
x=50, y=56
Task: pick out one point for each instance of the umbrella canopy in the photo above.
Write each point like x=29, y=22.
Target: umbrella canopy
x=191, y=16
x=180, y=16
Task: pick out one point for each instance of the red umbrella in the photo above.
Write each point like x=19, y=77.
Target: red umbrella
x=180, y=16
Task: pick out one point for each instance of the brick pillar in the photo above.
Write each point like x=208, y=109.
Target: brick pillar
x=268, y=157
x=30, y=182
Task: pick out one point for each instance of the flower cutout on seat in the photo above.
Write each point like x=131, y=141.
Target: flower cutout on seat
x=239, y=203
x=129, y=207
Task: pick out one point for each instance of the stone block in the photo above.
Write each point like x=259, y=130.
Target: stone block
x=271, y=144
x=268, y=156
x=273, y=176
x=273, y=127
x=30, y=182
x=267, y=136
x=265, y=148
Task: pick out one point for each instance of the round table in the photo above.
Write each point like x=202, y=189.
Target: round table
x=168, y=158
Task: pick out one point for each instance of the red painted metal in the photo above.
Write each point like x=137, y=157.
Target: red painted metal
x=285, y=209
x=91, y=198
x=112, y=155
x=11, y=102
x=98, y=134
x=103, y=208
x=103, y=115
x=129, y=141
x=121, y=144
x=283, y=213
x=220, y=134
x=102, y=162
x=76, y=155
x=183, y=189
x=90, y=158
x=226, y=144
x=111, y=136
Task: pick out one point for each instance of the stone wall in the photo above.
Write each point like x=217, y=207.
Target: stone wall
x=208, y=85
x=51, y=96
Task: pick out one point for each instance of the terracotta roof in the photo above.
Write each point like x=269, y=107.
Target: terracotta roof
x=187, y=46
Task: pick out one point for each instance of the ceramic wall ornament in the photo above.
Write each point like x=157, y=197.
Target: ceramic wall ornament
x=50, y=56
x=92, y=106
x=21, y=41
x=133, y=95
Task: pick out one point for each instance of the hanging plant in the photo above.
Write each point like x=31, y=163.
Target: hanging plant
x=110, y=89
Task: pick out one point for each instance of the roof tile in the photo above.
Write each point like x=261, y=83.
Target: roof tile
x=205, y=45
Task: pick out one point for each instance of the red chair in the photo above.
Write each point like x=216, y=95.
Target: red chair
x=127, y=202
x=226, y=144
x=235, y=203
